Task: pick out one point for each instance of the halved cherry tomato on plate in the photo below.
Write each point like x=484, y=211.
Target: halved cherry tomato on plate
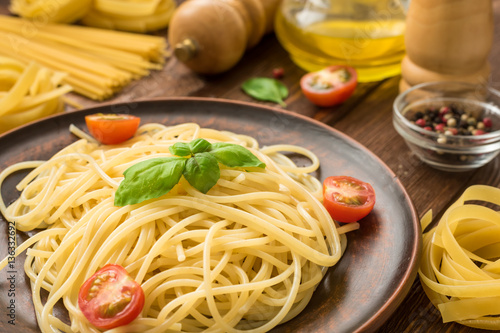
x=111, y=129
x=110, y=298
x=329, y=86
x=347, y=199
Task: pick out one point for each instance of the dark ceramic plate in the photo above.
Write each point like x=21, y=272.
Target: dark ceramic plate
x=358, y=294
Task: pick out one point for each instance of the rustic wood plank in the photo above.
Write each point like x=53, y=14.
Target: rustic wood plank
x=4, y=7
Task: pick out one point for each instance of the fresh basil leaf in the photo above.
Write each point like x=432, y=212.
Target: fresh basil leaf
x=199, y=146
x=282, y=89
x=180, y=149
x=155, y=177
x=202, y=171
x=266, y=89
x=233, y=156
x=149, y=179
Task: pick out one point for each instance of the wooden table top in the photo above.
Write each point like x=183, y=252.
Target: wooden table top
x=366, y=117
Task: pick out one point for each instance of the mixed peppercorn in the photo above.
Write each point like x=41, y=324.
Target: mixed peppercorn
x=451, y=120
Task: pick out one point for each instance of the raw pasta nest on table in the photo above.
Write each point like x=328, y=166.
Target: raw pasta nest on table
x=247, y=255
x=460, y=267
x=60, y=11
x=130, y=16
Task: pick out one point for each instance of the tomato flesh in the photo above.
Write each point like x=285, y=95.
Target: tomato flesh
x=330, y=86
x=111, y=129
x=347, y=199
x=110, y=298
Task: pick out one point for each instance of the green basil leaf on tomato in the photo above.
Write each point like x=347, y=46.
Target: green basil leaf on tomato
x=347, y=199
x=110, y=298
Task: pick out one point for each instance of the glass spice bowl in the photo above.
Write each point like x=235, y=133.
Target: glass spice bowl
x=473, y=141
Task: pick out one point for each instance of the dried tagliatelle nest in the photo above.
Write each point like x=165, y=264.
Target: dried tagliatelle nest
x=129, y=15
x=460, y=267
x=134, y=16
x=62, y=11
x=28, y=92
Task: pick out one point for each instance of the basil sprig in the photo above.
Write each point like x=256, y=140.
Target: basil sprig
x=266, y=89
x=198, y=161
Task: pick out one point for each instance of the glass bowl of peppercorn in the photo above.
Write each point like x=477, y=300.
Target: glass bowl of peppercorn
x=451, y=126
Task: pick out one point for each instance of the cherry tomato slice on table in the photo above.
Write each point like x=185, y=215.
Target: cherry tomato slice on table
x=347, y=199
x=111, y=129
x=110, y=298
x=329, y=86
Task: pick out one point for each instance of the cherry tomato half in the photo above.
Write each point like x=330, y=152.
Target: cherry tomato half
x=347, y=199
x=110, y=298
x=329, y=86
x=112, y=129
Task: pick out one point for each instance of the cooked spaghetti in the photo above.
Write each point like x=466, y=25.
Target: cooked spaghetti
x=246, y=256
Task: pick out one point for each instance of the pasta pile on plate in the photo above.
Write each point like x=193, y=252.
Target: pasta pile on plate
x=247, y=255
x=460, y=268
x=28, y=92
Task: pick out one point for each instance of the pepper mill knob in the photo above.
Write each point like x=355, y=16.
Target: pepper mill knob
x=447, y=40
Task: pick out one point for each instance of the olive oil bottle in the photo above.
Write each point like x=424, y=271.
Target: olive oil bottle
x=365, y=34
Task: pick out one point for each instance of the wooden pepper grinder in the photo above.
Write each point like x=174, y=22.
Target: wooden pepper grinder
x=210, y=36
x=447, y=40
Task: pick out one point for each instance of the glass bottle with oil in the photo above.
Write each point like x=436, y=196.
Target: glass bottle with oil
x=365, y=34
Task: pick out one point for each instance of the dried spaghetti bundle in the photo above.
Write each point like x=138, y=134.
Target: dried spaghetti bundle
x=98, y=62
